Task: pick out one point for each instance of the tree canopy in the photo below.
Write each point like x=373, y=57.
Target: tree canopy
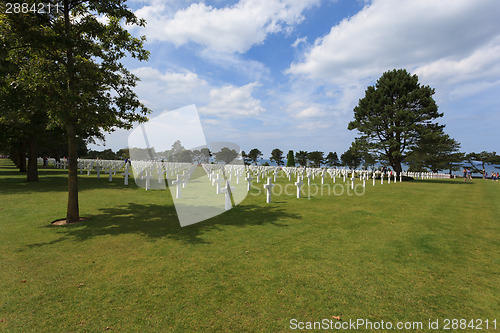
x=290, y=159
x=301, y=157
x=254, y=155
x=226, y=155
x=396, y=115
x=315, y=158
x=332, y=160
x=277, y=156
x=78, y=69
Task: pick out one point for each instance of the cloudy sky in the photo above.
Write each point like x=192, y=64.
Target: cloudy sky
x=287, y=73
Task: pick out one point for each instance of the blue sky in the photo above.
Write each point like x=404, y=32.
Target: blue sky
x=287, y=73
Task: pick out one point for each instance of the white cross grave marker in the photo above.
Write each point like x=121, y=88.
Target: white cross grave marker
x=299, y=183
x=268, y=188
x=249, y=178
x=227, y=193
x=217, y=182
x=126, y=174
x=178, y=182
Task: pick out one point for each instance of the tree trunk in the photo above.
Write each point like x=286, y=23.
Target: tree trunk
x=73, y=212
x=32, y=175
x=21, y=158
x=396, y=165
x=14, y=157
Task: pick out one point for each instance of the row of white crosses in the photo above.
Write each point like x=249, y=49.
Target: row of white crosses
x=311, y=173
x=221, y=176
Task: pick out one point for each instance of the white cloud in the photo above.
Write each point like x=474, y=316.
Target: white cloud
x=314, y=125
x=298, y=41
x=250, y=69
x=229, y=29
x=403, y=33
x=169, y=90
x=303, y=110
x=483, y=63
x=233, y=101
x=172, y=83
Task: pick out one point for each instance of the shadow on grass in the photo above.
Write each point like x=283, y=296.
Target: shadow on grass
x=157, y=221
x=56, y=181
x=442, y=181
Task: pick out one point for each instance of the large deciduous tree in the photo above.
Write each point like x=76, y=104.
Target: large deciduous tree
x=395, y=115
x=89, y=88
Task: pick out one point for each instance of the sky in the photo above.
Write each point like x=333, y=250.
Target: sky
x=287, y=73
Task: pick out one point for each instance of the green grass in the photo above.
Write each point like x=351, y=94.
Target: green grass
x=409, y=251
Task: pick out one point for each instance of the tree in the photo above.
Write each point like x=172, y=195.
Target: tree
x=301, y=157
x=246, y=159
x=123, y=154
x=332, y=160
x=361, y=147
x=290, y=160
x=315, y=158
x=394, y=116
x=482, y=159
x=351, y=158
x=277, y=156
x=177, y=150
x=202, y=156
x=254, y=155
x=22, y=97
x=185, y=156
x=90, y=90
x=436, y=152
x=226, y=155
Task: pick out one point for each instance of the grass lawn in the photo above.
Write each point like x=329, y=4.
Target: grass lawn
x=413, y=251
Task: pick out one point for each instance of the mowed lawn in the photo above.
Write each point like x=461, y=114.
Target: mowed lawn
x=412, y=251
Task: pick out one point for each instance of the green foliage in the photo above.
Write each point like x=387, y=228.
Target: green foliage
x=106, y=154
x=315, y=158
x=88, y=90
x=361, y=149
x=246, y=159
x=395, y=115
x=301, y=157
x=482, y=159
x=435, y=152
x=351, y=158
x=332, y=160
x=226, y=155
x=123, y=154
x=254, y=155
x=277, y=156
x=290, y=159
x=202, y=156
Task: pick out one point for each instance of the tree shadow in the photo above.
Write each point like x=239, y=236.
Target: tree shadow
x=456, y=181
x=159, y=221
x=59, y=183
